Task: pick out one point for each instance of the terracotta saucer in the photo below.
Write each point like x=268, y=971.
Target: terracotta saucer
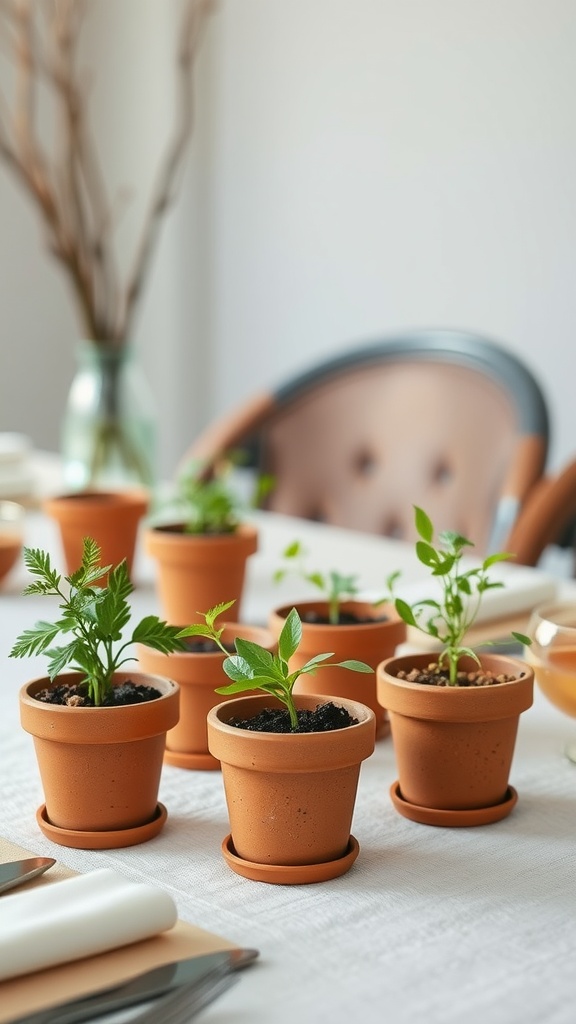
x=200, y=762
x=102, y=840
x=290, y=874
x=453, y=819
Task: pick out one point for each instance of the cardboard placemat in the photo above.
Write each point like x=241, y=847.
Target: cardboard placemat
x=31, y=992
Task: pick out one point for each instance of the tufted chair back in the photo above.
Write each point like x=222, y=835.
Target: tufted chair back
x=440, y=419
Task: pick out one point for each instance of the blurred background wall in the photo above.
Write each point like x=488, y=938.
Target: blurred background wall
x=357, y=167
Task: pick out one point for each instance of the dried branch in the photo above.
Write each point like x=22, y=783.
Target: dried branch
x=69, y=189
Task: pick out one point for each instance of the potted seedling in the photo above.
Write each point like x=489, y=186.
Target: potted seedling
x=201, y=550
x=197, y=668
x=454, y=712
x=290, y=764
x=99, y=730
x=340, y=622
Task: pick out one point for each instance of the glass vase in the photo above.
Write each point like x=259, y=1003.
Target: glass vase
x=109, y=426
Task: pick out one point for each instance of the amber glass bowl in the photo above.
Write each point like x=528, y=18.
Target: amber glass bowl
x=552, y=655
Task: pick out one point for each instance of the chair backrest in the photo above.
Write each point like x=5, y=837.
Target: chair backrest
x=548, y=517
x=441, y=419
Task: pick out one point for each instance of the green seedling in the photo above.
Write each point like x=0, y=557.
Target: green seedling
x=254, y=668
x=448, y=620
x=335, y=587
x=93, y=618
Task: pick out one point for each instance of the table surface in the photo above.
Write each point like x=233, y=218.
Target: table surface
x=429, y=925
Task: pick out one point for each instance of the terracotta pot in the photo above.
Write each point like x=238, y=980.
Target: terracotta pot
x=100, y=767
x=198, y=571
x=111, y=518
x=290, y=796
x=454, y=745
x=198, y=673
x=11, y=535
x=366, y=641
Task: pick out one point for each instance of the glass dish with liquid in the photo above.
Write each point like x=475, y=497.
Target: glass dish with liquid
x=552, y=655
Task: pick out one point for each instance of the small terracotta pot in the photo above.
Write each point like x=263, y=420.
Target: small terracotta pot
x=111, y=518
x=370, y=641
x=198, y=673
x=290, y=796
x=11, y=535
x=198, y=571
x=454, y=745
x=100, y=767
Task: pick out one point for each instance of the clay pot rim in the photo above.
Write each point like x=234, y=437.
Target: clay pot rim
x=391, y=619
x=133, y=497
x=451, y=703
x=355, y=708
x=36, y=717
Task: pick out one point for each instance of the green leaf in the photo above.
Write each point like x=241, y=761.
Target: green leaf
x=423, y=525
x=154, y=633
x=290, y=636
x=36, y=640
x=293, y=550
x=259, y=659
x=405, y=612
x=522, y=638
x=355, y=666
x=426, y=554
x=501, y=556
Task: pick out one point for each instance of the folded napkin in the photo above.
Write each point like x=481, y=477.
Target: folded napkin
x=78, y=917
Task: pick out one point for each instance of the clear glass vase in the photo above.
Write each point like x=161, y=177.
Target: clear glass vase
x=109, y=426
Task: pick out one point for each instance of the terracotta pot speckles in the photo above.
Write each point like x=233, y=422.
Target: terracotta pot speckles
x=454, y=745
x=290, y=796
x=371, y=641
x=100, y=767
x=195, y=572
x=198, y=673
x=111, y=518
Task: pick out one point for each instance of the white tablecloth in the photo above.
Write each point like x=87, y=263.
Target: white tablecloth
x=430, y=925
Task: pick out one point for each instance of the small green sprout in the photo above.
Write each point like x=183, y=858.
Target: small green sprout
x=252, y=667
x=335, y=586
x=449, y=619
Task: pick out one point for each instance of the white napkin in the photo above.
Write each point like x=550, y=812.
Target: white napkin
x=78, y=917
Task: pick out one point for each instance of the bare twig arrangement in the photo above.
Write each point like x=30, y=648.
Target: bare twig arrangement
x=41, y=39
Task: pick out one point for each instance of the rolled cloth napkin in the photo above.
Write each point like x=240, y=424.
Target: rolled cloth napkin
x=78, y=917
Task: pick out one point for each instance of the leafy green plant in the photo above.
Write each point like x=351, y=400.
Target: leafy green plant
x=335, y=586
x=448, y=619
x=252, y=667
x=93, y=616
x=208, y=502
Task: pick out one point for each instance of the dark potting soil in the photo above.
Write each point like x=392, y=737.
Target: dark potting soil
x=324, y=718
x=436, y=675
x=313, y=618
x=201, y=645
x=76, y=696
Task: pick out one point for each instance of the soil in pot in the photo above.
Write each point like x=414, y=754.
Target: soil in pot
x=75, y=695
x=437, y=675
x=323, y=718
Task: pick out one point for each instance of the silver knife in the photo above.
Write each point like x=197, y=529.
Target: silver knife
x=19, y=871
x=197, y=970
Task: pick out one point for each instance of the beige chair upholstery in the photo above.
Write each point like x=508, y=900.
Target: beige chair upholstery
x=440, y=419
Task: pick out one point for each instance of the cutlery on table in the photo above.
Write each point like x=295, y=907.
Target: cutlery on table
x=19, y=871
x=189, y=984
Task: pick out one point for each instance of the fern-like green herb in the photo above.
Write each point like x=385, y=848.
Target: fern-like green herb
x=449, y=619
x=93, y=619
x=255, y=668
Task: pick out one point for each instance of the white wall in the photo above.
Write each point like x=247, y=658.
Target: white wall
x=358, y=166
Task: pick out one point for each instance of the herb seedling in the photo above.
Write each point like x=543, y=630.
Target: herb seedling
x=94, y=616
x=210, y=503
x=254, y=668
x=335, y=587
x=450, y=618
